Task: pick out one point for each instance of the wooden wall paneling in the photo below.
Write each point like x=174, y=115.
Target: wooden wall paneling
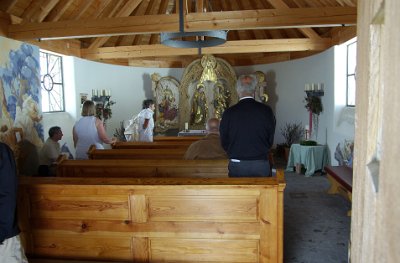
x=139, y=212
x=140, y=249
x=268, y=215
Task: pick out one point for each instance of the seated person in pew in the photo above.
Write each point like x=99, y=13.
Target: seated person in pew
x=208, y=147
x=49, y=153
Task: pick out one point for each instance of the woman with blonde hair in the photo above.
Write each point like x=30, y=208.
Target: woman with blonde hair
x=89, y=130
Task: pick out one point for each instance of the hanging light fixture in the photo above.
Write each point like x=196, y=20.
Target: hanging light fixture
x=202, y=38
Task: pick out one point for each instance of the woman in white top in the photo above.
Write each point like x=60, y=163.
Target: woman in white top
x=89, y=130
x=146, y=121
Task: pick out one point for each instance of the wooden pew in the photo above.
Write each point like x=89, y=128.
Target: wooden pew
x=176, y=153
x=143, y=168
x=153, y=219
x=176, y=138
x=341, y=179
x=152, y=145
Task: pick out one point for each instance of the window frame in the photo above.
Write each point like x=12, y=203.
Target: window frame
x=350, y=75
x=61, y=84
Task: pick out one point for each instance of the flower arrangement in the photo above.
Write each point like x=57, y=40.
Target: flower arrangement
x=104, y=112
x=314, y=104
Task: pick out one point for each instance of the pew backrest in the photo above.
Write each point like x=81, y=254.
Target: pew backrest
x=153, y=219
x=143, y=168
x=153, y=145
x=176, y=153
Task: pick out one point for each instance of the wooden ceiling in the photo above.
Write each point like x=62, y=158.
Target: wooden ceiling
x=127, y=32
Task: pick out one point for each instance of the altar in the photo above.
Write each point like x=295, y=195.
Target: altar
x=192, y=133
x=313, y=158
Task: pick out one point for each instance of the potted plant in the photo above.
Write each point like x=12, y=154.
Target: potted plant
x=292, y=133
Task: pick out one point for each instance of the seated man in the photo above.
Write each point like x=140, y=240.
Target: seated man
x=50, y=152
x=208, y=147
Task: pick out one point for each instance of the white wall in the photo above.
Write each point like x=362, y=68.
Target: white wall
x=285, y=87
x=129, y=87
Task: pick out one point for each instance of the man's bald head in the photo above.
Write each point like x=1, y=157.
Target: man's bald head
x=212, y=125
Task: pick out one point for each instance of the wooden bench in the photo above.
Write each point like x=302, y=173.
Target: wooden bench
x=143, y=168
x=177, y=153
x=176, y=138
x=153, y=219
x=341, y=179
x=152, y=145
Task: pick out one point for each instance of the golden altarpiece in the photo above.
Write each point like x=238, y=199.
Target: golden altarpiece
x=207, y=88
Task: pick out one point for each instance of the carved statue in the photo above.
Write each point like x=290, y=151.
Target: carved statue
x=221, y=100
x=208, y=63
x=199, y=111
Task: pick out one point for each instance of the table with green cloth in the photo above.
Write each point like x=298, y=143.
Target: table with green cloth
x=313, y=158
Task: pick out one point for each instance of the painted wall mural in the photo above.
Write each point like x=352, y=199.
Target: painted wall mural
x=20, y=90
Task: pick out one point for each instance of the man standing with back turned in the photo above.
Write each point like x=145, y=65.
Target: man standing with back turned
x=247, y=132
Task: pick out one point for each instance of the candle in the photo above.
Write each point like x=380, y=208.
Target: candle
x=186, y=126
x=97, y=92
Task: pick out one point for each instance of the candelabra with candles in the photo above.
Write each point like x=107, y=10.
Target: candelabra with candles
x=103, y=103
x=314, y=89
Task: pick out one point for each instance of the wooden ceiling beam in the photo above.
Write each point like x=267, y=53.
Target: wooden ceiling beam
x=231, y=20
x=243, y=46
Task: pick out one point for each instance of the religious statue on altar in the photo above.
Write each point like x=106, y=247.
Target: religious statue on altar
x=221, y=100
x=199, y=111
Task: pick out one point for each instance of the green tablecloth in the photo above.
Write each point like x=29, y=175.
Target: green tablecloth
x=312, y=157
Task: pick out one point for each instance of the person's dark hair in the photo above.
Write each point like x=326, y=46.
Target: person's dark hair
x=147, y=103
x=53, y=130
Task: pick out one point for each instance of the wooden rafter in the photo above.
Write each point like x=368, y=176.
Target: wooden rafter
x=232, y=20
x=243, y=46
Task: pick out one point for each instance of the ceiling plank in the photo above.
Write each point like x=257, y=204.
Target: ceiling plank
x=30, y=11
x=7, y=5
x=80, y=10
x=243, y=46
x=58, y=10
x=46, y=9
x=308, y=32
x=5, y=21
x=232, y=20
x=125, y=11
x=162, y=10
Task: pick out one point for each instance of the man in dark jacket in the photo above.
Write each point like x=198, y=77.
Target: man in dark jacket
x=247, y=132
x=10, y=246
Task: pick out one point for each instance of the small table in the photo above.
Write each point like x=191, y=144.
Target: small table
x=312, y=157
